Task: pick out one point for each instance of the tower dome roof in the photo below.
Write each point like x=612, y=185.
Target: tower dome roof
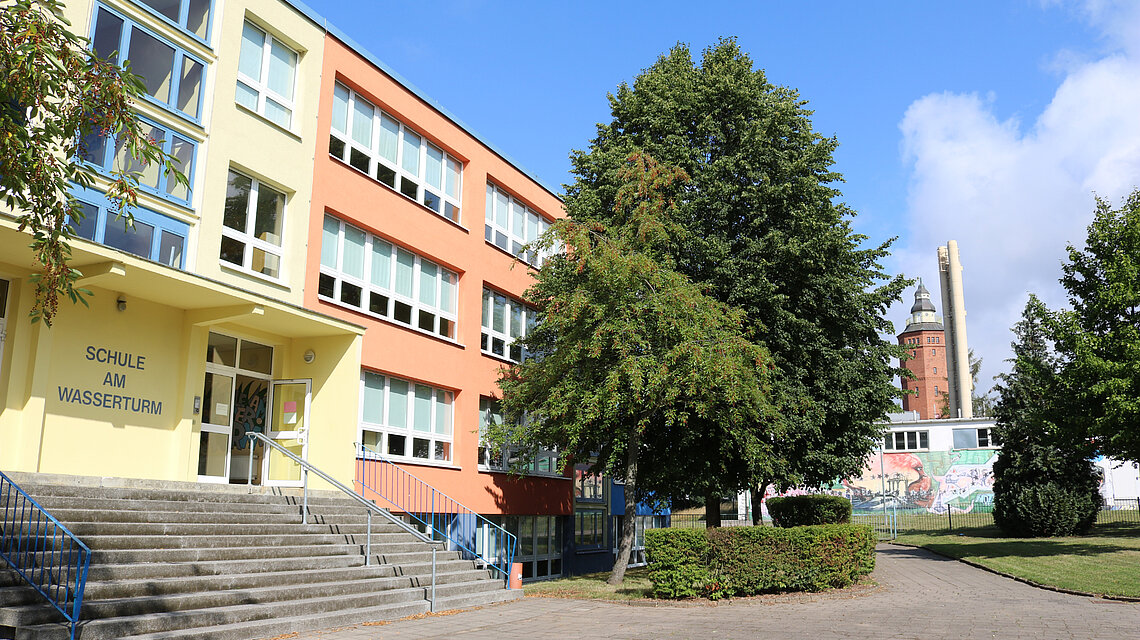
x=921, y=300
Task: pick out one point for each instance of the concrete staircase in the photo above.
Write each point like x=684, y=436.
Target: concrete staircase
x=185, y=560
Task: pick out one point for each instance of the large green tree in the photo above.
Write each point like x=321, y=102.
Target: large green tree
x=632, y=366
x=762, y=228
x=54, y=93
x=1044, y=480
x=1098, y=337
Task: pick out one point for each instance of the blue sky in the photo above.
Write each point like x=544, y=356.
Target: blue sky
x=992, y=123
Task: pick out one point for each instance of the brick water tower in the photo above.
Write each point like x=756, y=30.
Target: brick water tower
x=925, y=336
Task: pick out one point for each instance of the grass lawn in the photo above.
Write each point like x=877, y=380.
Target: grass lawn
x=593, y=586
x=1103, y=562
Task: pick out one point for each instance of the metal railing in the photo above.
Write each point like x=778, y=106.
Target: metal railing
x=306, y=467
x=439, y=513
x=42, y=551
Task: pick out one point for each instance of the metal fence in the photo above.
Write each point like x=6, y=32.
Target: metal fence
x=43, y=551
x=891, y=522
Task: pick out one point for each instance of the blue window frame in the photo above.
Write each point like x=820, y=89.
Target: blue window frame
x=173, y=78
x=154, y=236
x=190, y=16
x=108, y=154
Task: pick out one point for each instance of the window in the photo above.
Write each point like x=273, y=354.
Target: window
x=172, y=77
x=154, y=236
x=251, y=226
x=935, y=370
x=403, y=419
x=542, y=461
x=504, y=321
x=589, y=528
x=267, y=75
x=110, y=154
x=510, y=224
x=539, y=543
x=933, y=351
x=935, y=389
x=974, y=438
x=192, y=16
x=588, y=486
x=906, y=440
x=382, y=147
x=369, y=274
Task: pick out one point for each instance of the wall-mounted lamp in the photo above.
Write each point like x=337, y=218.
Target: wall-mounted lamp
x=197, y=405
x=309, y=356
x=121, y=303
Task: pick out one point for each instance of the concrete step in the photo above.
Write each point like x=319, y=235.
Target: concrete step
x=87, y=529
x=235, y=494
x=54, y=503
x=196, y=620
x=391, y=590
x=76, y=515
x=123, y=556
x=119, y=542
x=148, y=571
x=451, y=571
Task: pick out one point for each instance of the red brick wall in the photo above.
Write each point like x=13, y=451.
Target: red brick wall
x=928, y=364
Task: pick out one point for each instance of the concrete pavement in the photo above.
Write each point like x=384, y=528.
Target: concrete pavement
x=919, y=595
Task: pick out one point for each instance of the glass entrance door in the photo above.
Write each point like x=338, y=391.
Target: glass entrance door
x=235, y=399
x=289, y=427
x=217, y=413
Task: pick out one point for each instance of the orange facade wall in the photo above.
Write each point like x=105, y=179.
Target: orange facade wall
x=391, y=349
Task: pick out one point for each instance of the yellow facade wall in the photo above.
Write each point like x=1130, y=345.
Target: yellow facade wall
x=253, y=145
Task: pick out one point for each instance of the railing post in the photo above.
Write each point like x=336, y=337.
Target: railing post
x=433, y=550
x=368, y=543
x=305, y=504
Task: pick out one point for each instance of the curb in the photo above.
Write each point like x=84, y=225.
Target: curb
x=1046, y=587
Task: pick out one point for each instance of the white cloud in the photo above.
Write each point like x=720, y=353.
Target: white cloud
x=1014, y=196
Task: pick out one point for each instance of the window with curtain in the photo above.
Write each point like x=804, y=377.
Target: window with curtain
x=382, y=147
x=404, y=419
x=510, y=224
x=191, y=16
x=505, y=320
x=108, y=154
x=172, y=77
x=152, y=236
x=374, y=276
x=267, y=76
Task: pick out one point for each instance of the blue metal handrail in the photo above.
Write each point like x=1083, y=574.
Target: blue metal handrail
x=442, y=514
x=42, y=551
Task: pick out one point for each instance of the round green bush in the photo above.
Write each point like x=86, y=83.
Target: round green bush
x=800, y=511
x=1046, y=509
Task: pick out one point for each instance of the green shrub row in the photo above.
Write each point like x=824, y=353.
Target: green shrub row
x=743, y=561
x=799, y=511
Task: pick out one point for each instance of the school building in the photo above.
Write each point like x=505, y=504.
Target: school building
x=345, y=273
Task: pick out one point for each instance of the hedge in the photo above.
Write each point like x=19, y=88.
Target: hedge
x=797, y=511
x=742, y=561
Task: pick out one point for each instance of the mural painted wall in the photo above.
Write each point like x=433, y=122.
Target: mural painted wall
x=931, y=481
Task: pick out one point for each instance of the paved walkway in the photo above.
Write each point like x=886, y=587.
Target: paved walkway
x=919, y=596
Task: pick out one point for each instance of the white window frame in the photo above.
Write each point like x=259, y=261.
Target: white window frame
x=444, y=323
x=980, y=434
x=261, y=86
x=246, y=236
x=385, y=430
x=909, y=441
x=490, y=337
x=444, y=200
x=510, y=224
x=543, y=462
